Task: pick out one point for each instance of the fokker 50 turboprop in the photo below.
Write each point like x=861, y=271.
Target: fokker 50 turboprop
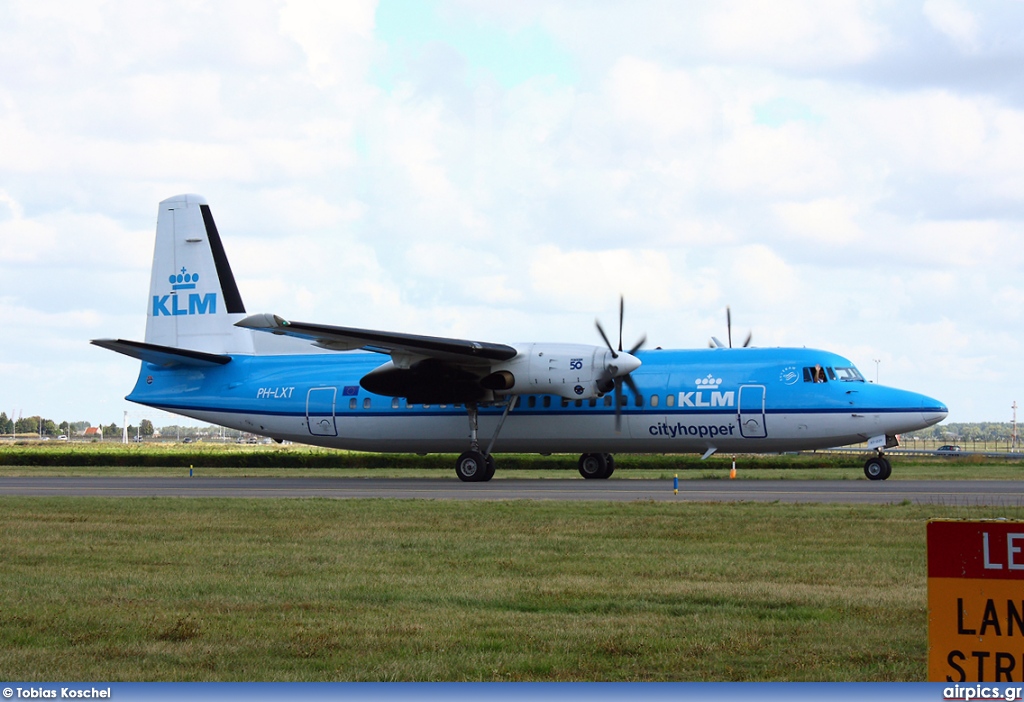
x=368, y=390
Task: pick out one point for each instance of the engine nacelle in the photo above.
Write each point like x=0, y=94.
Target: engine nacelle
x=575, y=372
x=572, y=371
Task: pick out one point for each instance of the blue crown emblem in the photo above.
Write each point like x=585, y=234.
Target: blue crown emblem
x=183, y=280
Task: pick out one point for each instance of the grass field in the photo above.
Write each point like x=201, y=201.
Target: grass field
x=210, y=589
x=238, y=589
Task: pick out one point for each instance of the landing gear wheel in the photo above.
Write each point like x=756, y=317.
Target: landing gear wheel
x=489, y=472
x=611, y=464
x=595, y=466
x=877, y=468
x=471, y=467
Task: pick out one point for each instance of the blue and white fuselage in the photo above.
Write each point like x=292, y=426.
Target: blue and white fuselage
x=733, y=400
x=369, y=390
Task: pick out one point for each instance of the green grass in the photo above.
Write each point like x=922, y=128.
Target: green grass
x=238, y=589
x=60, y=458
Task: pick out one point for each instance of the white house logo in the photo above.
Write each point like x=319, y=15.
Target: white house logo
x=175, y=304
x=707, y=394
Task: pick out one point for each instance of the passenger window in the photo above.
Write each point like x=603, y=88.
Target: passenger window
x=352, y=403
x=366, y=403
x=670, y=400
x=593, y=402
x=547, y=400
x=654, y=400
x=531, y=401
x=607, y=400
x=639, y=401
x=565, y=402
x=394, y=403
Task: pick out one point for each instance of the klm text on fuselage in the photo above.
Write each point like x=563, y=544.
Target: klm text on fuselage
x=698, y=398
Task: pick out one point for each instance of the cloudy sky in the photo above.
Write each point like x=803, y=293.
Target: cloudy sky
x=845, y=175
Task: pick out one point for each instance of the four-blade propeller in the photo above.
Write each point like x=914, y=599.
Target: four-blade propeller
x=618, y=371
x=716, y=344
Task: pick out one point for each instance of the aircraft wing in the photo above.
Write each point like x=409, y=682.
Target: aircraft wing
x=460, y=351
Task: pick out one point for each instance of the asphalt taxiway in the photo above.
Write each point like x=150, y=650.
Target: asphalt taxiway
x=1004, y=493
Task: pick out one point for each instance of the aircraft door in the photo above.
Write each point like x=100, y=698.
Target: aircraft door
x=751, y=412
x=320, y=411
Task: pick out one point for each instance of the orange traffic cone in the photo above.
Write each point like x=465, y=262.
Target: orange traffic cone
x=732, y=473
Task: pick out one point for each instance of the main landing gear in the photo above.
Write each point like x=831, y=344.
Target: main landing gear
x=877, y=467
x=476, y=466
x=595, y=466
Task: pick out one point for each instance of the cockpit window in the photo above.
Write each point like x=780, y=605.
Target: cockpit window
x=849, y=375
x=815, y=374
x=822, y=374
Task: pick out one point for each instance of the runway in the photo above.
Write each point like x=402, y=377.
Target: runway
x=1002, y=493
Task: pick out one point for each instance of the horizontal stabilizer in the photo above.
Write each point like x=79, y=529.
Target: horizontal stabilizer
x=162, y=355
x=347, y=339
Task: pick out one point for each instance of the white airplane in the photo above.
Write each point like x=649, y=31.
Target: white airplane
x=370, y=390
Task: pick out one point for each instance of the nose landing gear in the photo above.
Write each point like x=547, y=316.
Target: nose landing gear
x=877, y=467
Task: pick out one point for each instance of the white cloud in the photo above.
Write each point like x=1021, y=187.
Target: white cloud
x=794, y=32
x=955, y=21
x=822, y=222
x=570, y=279
x=648, y=97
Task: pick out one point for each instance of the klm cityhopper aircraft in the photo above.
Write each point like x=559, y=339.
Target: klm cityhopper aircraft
x=336, y=387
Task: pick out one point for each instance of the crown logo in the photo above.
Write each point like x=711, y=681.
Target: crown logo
x=710, y=383
x=183, y=280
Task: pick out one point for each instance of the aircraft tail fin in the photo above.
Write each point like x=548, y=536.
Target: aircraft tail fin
x=193, y=299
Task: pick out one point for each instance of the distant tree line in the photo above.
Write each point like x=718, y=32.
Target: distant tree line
x=40, y=426
x=968, y=431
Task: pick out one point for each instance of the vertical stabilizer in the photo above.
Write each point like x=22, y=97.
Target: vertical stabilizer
x=193, y=299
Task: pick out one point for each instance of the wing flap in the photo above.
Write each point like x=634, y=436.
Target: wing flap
x=162, y=355
x=460, y=351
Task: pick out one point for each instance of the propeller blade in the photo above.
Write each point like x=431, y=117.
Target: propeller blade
x=628, y=380
x=605, y=337
x=618, y=405
x=622, y=314
x=638, y=345
x=750, y=337
x=728, y=323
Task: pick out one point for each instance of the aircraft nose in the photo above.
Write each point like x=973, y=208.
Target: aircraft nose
x=933, y=411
